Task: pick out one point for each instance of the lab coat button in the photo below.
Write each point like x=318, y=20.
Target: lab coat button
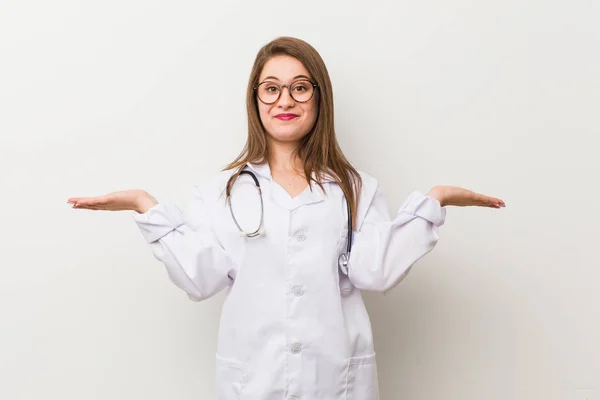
x=298, y=291
x=295, y=348
x=301, y=236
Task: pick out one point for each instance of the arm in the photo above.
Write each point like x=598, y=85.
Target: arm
x=195, y=260
x=384, y=250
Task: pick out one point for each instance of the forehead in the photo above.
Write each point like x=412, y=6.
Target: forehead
x=284, y=68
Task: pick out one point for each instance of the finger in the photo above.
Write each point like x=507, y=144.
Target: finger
x=90, y=200
x=497, y=203
x=99, y=207
x=94, y=201
x=489, y=201
x=80, y=206
x=82, y=200
x=92, y=207
x=75, y=199
x=480, y=199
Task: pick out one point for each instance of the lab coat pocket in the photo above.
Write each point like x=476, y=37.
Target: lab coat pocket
x=230, y=378
x=361, y=381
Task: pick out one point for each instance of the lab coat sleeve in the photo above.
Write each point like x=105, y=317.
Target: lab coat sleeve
x=195, y=260
x=385, y=249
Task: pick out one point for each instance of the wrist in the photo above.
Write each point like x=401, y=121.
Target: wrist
x=145, y=202
x=438, y=193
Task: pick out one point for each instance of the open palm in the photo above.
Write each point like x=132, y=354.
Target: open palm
x=115, y=201
x=457, y=196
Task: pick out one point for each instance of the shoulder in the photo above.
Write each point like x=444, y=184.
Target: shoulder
x=213, y=187
x=368, y=181
x=370, y=187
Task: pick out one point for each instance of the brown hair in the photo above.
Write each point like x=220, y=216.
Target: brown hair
x=319, y=150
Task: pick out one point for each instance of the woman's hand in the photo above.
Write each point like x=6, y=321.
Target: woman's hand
x=136, y=200
x=456, y=196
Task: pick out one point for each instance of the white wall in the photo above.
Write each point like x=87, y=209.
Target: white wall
x=499, y=97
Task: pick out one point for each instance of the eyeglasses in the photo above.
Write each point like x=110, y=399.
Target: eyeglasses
x=301, y=90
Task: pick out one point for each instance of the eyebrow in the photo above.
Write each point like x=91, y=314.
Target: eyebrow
x=296, y=77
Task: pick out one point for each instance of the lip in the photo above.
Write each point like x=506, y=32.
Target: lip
x=286, y=116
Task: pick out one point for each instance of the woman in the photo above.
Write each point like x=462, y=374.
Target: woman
x=293, y=325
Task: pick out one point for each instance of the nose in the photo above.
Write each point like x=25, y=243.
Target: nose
x=285, y=99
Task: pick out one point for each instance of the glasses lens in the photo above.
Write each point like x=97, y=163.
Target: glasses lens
x=268, y=92
x=301, y=90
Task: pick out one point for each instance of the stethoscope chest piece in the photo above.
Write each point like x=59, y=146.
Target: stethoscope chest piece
x=343, y=262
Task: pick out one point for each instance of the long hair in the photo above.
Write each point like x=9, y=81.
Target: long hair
x=319, y=150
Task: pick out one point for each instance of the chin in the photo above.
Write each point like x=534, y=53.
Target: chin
x=287, y=136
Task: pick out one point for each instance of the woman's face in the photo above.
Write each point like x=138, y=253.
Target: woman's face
x=287, y=120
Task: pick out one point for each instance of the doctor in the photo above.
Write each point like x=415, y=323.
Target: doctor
x=293, y=325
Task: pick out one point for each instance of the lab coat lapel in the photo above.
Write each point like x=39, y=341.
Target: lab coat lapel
x=308, y=196
x=281, y=197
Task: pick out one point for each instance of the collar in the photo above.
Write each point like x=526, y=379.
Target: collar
x=265, y=171
x=260, y=169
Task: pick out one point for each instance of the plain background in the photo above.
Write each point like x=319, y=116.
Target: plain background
x=502, y=98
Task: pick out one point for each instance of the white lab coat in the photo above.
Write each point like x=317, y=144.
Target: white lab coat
x=293, y=326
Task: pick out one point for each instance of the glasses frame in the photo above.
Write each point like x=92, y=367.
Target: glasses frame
x=288, y=86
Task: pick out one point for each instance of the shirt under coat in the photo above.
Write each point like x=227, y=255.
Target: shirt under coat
x=293, y=325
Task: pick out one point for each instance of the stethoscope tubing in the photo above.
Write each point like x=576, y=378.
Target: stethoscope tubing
x=343, y=258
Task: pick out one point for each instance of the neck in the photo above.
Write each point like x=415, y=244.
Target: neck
x=282, y=158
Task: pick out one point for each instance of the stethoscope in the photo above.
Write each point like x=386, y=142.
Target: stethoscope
x=343, y=259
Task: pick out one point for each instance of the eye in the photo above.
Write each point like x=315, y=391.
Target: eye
x=301, y=87
x=272, y=89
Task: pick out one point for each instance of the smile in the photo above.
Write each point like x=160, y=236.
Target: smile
x=286, y=117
